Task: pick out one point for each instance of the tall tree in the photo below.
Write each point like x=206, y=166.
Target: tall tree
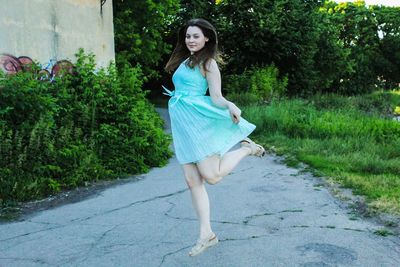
x=388, y=64
x=358, y=31
x=262, y=32
x=140, y=30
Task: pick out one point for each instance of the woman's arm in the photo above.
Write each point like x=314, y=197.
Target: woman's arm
x=213, y=77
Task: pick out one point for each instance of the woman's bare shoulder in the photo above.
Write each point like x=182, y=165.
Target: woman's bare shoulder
x=212, y=64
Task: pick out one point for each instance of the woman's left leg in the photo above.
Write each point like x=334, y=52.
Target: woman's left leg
x=200, y=199
x=202, y=206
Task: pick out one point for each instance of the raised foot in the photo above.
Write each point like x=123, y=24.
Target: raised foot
x=256, y=149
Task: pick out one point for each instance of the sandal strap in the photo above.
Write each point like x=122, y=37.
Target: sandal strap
x=256, y=149
x=207, y=239
x=203, y=244
x=247, y=140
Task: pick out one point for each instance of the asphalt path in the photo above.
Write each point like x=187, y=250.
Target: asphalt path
x=264, y=213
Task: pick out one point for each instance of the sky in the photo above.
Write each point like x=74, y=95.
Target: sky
x=377, y=2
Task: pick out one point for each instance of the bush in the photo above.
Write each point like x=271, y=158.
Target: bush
x=83, y=127
x=255, y=85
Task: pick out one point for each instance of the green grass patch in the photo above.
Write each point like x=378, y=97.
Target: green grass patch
x=383, y=232
x=354, y=142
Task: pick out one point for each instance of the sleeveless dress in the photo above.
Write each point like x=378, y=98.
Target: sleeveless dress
x=199, y=128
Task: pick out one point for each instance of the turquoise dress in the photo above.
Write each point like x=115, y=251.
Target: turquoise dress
x=199, y=128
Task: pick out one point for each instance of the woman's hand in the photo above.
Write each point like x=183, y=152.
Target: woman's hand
x=235, y=112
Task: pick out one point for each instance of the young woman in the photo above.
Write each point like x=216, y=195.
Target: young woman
x=204, y=128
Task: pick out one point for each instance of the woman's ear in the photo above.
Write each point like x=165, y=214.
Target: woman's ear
x=206, y=39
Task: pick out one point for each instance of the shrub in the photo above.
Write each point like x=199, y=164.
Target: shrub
x=95, y=124
x=256, y=85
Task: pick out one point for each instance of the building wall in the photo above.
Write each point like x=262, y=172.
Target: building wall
x=52, y=30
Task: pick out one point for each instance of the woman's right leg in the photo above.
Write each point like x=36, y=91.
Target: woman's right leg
x=214, y=168
x=200, y=199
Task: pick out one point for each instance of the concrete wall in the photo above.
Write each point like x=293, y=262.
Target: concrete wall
x=51, y=30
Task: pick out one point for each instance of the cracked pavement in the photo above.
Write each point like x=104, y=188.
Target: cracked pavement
x=264, y=213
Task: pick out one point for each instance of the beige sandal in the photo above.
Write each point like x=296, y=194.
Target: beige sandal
x=256, y=149
x=203, y=244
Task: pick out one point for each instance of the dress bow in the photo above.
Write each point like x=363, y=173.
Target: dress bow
x=168, y=92
x=172, y=94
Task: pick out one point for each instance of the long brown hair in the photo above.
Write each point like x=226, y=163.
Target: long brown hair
x=209, y=51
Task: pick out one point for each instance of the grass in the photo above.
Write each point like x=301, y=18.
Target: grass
x=350, y=139
x=383, y=232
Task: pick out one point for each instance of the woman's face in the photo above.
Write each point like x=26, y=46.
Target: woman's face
x=195, y=39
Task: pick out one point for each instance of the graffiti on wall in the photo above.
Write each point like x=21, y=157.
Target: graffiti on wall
x=48, y=71
x=102, y=2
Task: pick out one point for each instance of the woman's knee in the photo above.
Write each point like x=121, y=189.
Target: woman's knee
x=209, y=176
x=213, y=180
x=209, y=169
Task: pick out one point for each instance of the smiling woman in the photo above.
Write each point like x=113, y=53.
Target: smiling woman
x=204, y=128
x=195, y=39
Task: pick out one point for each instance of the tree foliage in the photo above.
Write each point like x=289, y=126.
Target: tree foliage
x=140, y=29
x=321, y=46
x=388, y=63
x=358, y=33
x=372, y=36
x=281, y=32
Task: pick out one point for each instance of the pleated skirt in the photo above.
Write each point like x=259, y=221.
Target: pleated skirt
x=200, y=129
